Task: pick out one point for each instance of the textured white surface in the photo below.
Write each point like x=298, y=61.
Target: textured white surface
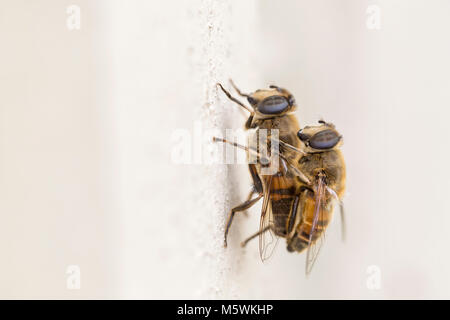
x=173, y=215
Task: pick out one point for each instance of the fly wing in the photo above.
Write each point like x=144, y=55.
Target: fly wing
x=317, y=232
x=267, y=239
x=280, y=199
x=341, y=211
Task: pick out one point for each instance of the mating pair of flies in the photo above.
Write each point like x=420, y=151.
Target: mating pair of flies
x=299, y=197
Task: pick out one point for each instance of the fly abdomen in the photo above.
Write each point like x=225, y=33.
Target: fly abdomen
x=300, y=239
x=282, y=198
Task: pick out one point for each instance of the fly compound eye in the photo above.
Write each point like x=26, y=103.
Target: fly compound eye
x=325, y=139
x=273, y=105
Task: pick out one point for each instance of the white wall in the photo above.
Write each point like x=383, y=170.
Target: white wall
x=87, y=116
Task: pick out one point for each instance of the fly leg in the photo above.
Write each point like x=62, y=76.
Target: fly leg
x=249, y=150
x=234, y=99
x=257, y=184
x=253, y=236
x=244, y=206
x=258, y=187
x=250, y=195
x=237, y=90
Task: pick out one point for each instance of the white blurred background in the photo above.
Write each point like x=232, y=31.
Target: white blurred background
x=86, y=136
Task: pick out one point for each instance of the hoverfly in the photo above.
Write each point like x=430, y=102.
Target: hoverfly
x=324, y=165
x=286, y=193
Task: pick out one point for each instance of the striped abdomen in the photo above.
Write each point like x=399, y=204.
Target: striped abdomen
x=300, y=237
x=283, y=202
